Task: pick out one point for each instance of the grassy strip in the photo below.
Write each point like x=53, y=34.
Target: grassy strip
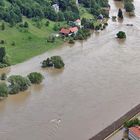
x=23, y=45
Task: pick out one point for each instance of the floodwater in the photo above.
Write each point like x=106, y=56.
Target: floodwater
x=100, y=82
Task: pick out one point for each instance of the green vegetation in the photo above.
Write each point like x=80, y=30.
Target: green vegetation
x=82, y=34
x=29, y=27
x=54, y=61
x=3, y=90
x=120, y=14
x=23, y=43
x=121, y=35
x=131, y=123
x=18, y=83
x=35, y=78
x=4, y=62
x=129, y=6
x=3, y=76
x=96, y=7
x=57, y=62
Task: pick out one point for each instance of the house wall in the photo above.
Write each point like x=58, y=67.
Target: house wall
x=131, y=136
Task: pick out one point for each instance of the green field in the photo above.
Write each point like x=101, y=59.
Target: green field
x=29, y=42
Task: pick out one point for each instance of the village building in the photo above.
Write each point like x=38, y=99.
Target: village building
x=69, y=31
x=100, y=17
x=134, y=133
x=56, y=7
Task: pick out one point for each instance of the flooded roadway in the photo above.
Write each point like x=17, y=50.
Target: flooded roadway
x=100, y=82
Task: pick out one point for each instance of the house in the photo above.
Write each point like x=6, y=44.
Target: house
x=134, y=133
x=69, y=31
x=65, y=31
x=56, y=7
x=78, y=22
x=73, y=30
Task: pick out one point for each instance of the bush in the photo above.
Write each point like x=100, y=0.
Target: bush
x=3, y=90
x=18, y=83
x=47, y=23
x=121, y=35
x=35, y=78
x=14, y=89
x=55, y=61
x=131, y=123
x=120, y=14
x=58, y=62
x=51, y=39
x=3, y=76
x=129, y=6
x=2, y=65
x=71, y=41
x=47, y=63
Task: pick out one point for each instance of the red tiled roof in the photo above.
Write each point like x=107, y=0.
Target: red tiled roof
x=78, y=20
x=65, y=31
x=135, y=130
x=73, y=29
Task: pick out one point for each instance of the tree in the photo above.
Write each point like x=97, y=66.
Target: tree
x=120, y=14
x=47, y=23
x=3, y=90
x=35, y=78
x=129, y=7
x=3, y=76
x=26, y=25
x=3, y=26
x=54, y=61
x=58, y=62
x=18, y=83
x=121, y=35
x=2, y=54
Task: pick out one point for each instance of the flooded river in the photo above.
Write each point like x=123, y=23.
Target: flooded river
x=100, y=82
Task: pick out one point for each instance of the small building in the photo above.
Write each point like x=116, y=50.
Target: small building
x=56, y=7
x=65, y=31
x=69, y=31
x=78, y=22
x=134, y=133
x=73, y=30
x=100, y=17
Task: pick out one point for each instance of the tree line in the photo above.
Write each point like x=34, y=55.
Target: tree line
x=12, y=10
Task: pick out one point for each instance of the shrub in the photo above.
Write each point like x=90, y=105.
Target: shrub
x=131, y=123
x=14, y=89
x=2, y=65
x=51, y=39
x=3, y=76
x=71, y=41
x=35, y=78
x=18, y=83
x=58, y=62
x=13, y=43
x=55, y=61
x=3, y=90
x=120, y=14
x=47, y=63
x=121, y=35
x=129, y=6
x=47, y=23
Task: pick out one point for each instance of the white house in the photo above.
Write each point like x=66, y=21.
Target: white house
x=134, y=133
x=56, y=7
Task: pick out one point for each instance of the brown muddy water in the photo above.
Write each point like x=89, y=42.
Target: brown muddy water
x=100, y=82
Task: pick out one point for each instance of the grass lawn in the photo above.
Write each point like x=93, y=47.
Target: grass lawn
x=29, y=42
